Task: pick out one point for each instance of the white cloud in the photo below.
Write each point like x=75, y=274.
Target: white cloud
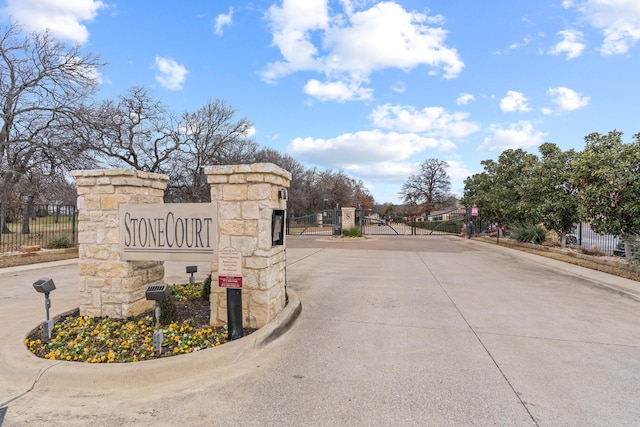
x=171, y=75
x=517, y=135
x=619, y=21
x=457, y=170
x=349, y=46
x=62, y=17
x=399, y=87
x=465, y=98
x=434, y=122
x=567, y=99
x=387, y=172
x=337, y=91
x=365, y=146
x=222, y=21
x=514, y=101
x=513, y=46
x=572, y=44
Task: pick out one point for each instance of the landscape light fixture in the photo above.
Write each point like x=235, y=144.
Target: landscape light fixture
x=157, y=293
x=45, y=286
x=190, y=270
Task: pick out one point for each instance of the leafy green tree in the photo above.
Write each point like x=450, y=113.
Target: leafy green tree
x=607, y=172
x=501, y=192
x=430, y=187
x=512, y=173
x=477, y=191
x=552, y=184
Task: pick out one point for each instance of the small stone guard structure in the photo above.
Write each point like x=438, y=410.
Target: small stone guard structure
x=246, y=196
x=109, y=286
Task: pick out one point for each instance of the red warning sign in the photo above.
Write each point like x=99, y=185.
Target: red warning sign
x=234, y=282
x=230, y=268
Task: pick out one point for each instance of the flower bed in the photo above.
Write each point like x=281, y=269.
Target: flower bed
x=106, y=340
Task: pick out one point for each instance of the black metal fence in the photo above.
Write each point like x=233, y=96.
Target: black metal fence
x=49, y=226
x=581, y=237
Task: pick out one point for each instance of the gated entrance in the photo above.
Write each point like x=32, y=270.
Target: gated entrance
x=329, y=222
x=444, y=223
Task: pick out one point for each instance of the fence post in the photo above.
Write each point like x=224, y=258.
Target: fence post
x=73, y=224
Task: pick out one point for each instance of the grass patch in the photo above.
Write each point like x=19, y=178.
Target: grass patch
x=60, y=242
x=352, y=232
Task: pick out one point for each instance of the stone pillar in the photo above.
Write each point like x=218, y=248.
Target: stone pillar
x=109, y=286
x=247, y=196
x=348, y=218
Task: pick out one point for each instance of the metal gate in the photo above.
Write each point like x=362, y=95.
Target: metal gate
x=324, y=223
x=444, y=223
x=329, y=223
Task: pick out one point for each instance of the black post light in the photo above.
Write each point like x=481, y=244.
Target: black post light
x=157, y=293
x=190, y=270
x=45, y=286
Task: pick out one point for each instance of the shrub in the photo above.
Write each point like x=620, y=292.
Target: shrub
x=60, y=242
x=450, y=226
x=168, y=311
x=206, y=288
x=529, y=233
x=352, y=232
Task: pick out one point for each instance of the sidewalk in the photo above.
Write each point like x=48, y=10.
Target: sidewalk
x=393, y=331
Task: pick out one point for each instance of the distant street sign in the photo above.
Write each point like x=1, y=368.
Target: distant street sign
x=474, y=211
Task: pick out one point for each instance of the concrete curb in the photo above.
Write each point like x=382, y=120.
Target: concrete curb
x=153, y=373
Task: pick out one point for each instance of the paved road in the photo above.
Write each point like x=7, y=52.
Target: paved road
x=393, y=331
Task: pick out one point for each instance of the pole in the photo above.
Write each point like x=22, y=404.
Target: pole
x=48, y=324
x=234, y=313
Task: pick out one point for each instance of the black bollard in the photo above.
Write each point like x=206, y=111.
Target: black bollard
x=234, y=313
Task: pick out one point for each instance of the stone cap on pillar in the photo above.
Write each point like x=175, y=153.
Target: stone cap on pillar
x=256, y=172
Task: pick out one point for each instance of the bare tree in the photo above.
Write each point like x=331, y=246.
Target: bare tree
x=209, y=136
x=134, y=130
x=43, y=85
x=429, y=188
x=297, y=193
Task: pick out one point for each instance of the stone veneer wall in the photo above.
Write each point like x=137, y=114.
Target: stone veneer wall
x=246, y=196
x=348, y=218
x=108, y=286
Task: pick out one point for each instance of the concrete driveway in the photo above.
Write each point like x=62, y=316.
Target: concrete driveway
x=394, y=331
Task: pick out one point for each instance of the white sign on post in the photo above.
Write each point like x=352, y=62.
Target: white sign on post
x=168, y=232
x=230, y=268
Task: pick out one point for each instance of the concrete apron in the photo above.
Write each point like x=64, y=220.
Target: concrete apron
x=404, y=331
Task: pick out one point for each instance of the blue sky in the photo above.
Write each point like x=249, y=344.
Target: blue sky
x=373, y=88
